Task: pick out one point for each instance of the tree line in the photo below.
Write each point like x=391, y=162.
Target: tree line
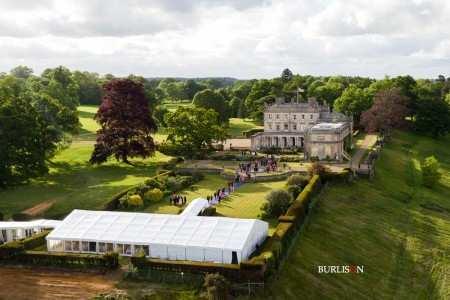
x=38, y=114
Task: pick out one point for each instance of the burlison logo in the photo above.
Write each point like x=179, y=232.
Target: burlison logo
x=341, y=269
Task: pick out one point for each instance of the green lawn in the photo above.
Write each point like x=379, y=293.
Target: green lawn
x=73, y=182
x=243, y=203
x=239, y=125
x=394, y=227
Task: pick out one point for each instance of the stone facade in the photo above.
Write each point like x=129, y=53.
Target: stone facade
x=309, y=126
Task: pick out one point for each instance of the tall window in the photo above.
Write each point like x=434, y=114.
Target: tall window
x=270, y=126
x=311, y=116
x=278, y=116
x=278, y=127
x=295, y=117
x=285, y=126
x=285, y=116
x=270, y=116
x=295, y=127
x=303, y=117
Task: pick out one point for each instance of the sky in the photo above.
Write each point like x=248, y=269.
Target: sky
x=244, y=39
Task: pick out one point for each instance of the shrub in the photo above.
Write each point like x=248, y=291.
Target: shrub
x=209, y=211
x=277, y=203
x=318, y=168
x=217, y=286
x=294, y=190
x=297, y=179
x=152, y=183
x=430, y=172
x=153, y=195
x=135, y=200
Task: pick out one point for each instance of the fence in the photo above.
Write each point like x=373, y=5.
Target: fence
x=159, y=276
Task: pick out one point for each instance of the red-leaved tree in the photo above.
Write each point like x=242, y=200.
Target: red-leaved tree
x=389, y=110
x=126, y=123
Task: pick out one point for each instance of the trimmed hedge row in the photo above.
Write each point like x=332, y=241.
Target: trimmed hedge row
x=11, y=249
x=141, y=262
x=35, y=240
x=275, y=249
x=66, y=260
x=14, y=248
x=114, y=202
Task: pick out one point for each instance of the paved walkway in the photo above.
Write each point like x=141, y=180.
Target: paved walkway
x=362, y=149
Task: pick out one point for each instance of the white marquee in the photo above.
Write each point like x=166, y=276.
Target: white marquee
x=173, y=237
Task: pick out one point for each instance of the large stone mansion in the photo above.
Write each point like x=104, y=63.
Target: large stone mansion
x=310, y=126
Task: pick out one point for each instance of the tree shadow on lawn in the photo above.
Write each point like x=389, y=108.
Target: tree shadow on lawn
x=86, y=114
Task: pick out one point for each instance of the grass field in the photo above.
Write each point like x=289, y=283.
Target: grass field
x=239, y=125
x=394, y=227
x=73, y=182
x=243, y=203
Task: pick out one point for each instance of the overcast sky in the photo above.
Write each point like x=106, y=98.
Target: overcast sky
x=237, y=38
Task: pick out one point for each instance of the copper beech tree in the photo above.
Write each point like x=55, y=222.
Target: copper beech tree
x=126, y=122
x=389, y=110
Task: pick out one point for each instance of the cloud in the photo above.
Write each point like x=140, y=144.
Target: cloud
x=246, y=39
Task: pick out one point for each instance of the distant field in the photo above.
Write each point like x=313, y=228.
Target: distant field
x=238, y=125
x=394, y=227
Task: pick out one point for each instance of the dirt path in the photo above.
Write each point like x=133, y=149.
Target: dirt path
x=40, y=208
x=16, y=283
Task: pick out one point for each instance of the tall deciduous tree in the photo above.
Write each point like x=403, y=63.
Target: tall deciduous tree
x=389, y=110
x=193, y=132
x=433, y=116
x=208, y=99
x=126, y=121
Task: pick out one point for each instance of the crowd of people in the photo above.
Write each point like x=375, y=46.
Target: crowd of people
x=177, y=200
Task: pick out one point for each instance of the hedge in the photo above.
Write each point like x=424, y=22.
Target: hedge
x=66, y=260
x=1, y=216
x=209, y=211
x=141, y=262
x=286, y=219
x=11, y=249
x=35, y=240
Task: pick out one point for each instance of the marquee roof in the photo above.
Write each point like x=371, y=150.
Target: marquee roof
x=30, y=224
x=195, y=207
x=144, y=229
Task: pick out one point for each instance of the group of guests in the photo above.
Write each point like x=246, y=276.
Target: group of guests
x=220, y=193
x=177, y=200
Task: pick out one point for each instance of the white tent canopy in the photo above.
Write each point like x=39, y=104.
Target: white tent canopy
x=174, y=237
x=11, y=231
x=195, y=207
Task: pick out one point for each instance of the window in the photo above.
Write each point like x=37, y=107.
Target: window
x=295, y=117
x=278, y=116
x=270, y=116
x=285, y=116
x=295, y=127
x=285, y=126
x=302, y=127
x=278, y=127
x=270, y=126
x=303, y=117
x=311, y=116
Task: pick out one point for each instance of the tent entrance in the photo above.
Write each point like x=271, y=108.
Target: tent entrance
x=234, y=259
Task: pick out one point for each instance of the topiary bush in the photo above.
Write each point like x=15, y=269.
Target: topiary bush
x=153, y=195
x=135, y=200
x=294, y=190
